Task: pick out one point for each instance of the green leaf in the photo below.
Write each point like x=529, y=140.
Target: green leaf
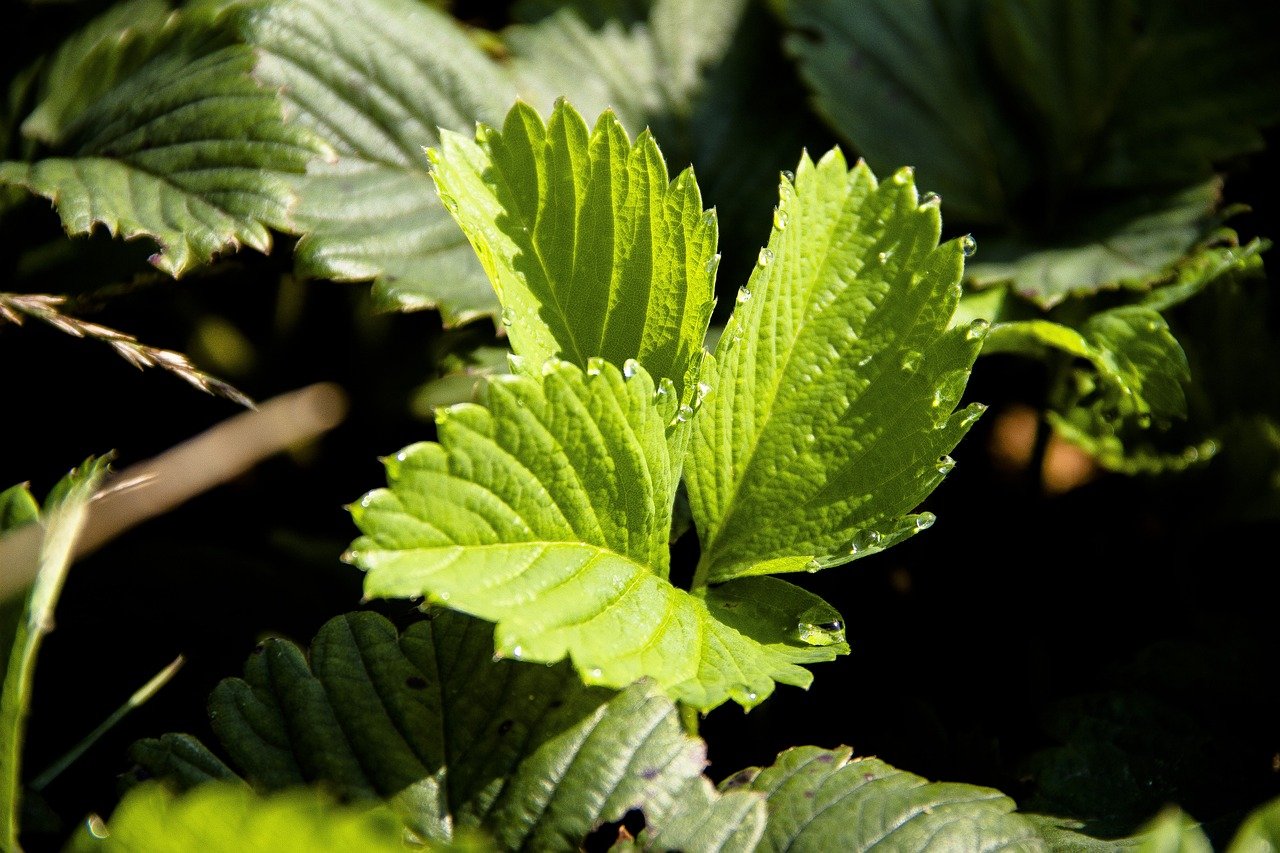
x=703, y=76
x=547, y=510
x=228, y=818
x=453, y=738
x=1130, y=246
x=1260, y=832
x=822, y=800
x=833, y=408
x=160, y=131
x=63, y=517
x=1173, y=832
x=590, y=248
x=376, y=79
x=17, y=508
x=1082, y=135
x=1140, y=368
x=903, y=83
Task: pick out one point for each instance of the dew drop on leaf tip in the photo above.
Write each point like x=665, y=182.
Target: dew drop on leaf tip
x=764, y=258
x=595, y=365
x=744, y=295
x=968, y=246
x=508, y=316
x=630, y=368
x=789, y=176
x=821, y=633
x=779, y=219
x=930, y=200
x=945, y=465
x=978, y=329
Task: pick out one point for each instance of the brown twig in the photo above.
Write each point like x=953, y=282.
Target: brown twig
x=16, y=307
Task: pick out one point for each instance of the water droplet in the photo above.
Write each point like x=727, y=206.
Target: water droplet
x=978, y=329
x=595, y=365
x=596, y=673
x=930, y=200
x=864, y=361
x=911, y=360
x=508, y=316
x=968, y=245
x=700, y=394
x=903, y=176
x=810, y=438
x=665, y=387
x=884, y=257
x=779, y=218
x=821, y=633
x=709, y=218
x=764, y=258
x=744, y=295
x=97, y=827
x=945, y=464
x=517, y=652
x=683, y=414
x=713, y=264
x=971, y=414
x=551, y=365
x=864, y=540
x=925, y=520
x=789, y=175
x=1144, y=421
x=938, y=398
x=630, y=368
x=482, y=132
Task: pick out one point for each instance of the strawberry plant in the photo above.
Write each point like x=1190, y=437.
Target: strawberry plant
x=667, y=361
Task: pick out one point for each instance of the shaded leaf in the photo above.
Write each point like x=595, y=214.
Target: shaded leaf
x=160, y=131
x=1127, y=246
x=824, y=800
x=832, y=412
x=548, y=510
x=453, y=738
x=376, y=79
x=592, y=251
x=1028, y=117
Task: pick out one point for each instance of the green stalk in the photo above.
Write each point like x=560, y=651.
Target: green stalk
x=140, y=696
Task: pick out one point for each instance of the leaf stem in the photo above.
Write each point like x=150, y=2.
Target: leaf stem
x=140, y=696
x=688, y=718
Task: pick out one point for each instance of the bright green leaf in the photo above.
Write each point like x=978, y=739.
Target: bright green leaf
x=1173, y=832
x=63, y=517
x=17, y=508
x=702, y=76
x=1260, y=832
x=376, y=79
x=452, y=738
x=160, y=131
x=547, y=510
x=590, y=248
x=227, y=818
x=833, y=409
x=823, y=800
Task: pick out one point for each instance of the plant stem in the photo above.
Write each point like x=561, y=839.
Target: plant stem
x=688, y=718
x=141, y=695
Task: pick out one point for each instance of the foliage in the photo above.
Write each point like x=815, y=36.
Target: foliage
x=650, y=399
